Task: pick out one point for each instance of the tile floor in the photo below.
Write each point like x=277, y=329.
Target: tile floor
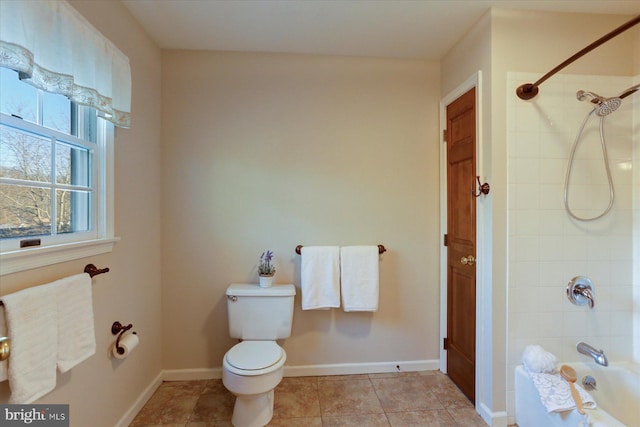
x=398, y=399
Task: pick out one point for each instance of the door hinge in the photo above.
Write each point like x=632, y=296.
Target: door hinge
x=444, y=135
x=445, y=343
x=446, y=240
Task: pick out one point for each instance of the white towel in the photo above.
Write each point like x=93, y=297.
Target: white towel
x=31, y=316
x=555, y=393
x=76, y=333
x=537, y=359
x=3, y=333
x=320, y=277
x=359, y=277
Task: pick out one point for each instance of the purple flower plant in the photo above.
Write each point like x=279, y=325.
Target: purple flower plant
x=265, y=267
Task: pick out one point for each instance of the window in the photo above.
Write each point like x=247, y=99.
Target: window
x=55, y=162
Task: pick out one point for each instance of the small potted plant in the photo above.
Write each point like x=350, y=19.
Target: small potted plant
x=266, y=269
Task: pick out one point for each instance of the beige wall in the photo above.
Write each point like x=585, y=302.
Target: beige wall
x=100, y=390
x=268, y=151
x=636, y=66
x=534, y=42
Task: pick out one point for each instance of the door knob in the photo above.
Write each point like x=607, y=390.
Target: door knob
x=468, y=260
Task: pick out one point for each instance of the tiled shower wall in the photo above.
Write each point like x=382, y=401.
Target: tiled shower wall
x=546, y=247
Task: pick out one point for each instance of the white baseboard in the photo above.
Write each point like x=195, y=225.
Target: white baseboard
x=361, y=368
x=312, y=370
x=494, y=419
x=131, y=413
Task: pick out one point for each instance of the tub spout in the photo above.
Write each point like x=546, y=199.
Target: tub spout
x=597, y=356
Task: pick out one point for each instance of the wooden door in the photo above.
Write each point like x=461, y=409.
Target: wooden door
x=460, y=342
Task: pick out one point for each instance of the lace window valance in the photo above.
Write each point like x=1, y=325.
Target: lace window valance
x=56, y=49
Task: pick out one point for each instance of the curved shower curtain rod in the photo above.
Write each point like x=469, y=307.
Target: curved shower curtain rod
x=530, y=90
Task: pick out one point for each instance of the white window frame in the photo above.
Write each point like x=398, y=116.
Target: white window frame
x=71, y=246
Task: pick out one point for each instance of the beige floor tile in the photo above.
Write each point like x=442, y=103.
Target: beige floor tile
x=360, y=420
x=215, y=404
x=393, y=375
x=348, y=397
x=226, y=423
x=410, y=399
x=405, y=394
x=467, y=417
x=451, y=397
x=437, y=418
x=172, y=403
x=296, y=422
x=163, y=425
x=343, y=377
x=297, y=398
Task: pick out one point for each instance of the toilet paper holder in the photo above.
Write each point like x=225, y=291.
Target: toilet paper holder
x=119, y=328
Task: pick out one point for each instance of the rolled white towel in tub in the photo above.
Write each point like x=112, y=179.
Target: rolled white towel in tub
x=537, y=359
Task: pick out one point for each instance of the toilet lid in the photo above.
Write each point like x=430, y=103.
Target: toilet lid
x=253, y=355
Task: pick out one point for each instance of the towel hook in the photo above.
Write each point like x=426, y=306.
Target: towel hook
x=482, y=188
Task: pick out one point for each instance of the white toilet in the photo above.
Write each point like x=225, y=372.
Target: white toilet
x=253, y=368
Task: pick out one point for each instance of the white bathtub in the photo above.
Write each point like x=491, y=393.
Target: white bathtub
x=617, y=397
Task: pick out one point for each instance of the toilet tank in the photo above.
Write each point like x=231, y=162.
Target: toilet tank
x=257, y=313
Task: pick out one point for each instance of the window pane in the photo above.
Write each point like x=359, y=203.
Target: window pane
x=17, y=97
x=56, y=112
x=72, y=165
x=24, y=156
x=24, y=211
x=73, y=211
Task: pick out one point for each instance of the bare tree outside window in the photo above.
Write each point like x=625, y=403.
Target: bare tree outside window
x=34, y=167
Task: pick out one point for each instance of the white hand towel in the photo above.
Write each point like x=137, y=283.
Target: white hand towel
x=76, y=333
x=31, y=316
x=320, y=277
x=3, y=333
x=359, y=277
x=555, y=393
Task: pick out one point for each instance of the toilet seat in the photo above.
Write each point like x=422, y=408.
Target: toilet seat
x=251, y=358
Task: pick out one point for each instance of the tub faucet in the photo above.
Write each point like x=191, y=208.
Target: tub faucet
x=598, y=356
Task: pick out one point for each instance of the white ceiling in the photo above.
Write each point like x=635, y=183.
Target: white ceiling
x=424, y=29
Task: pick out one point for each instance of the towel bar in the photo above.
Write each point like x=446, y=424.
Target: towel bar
x=90, y=269
x=381, y=249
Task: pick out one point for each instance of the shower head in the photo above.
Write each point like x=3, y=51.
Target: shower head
x=608, y=106
x=604, y=106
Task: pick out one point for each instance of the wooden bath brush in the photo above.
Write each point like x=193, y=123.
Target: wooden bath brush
x=569, y=374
